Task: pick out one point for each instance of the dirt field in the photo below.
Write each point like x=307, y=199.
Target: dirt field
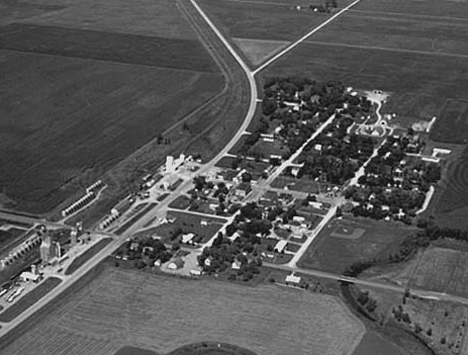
x=257, y=51
x=344, y=242
x=87, y=79
x=161, y=314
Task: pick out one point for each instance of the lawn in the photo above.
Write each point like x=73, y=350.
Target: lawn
x=344, y=242
x=85, y=87
x=161, y=313
x=87, y=255
x=29, y=299
x=187, y=223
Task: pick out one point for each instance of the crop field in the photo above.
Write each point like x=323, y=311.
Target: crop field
x=418, y=55
x=84, y=87
x=441, y=270
x=161, y=313
x=452, y=125
x=449, y=204
x=344, y=242
x=262, y=20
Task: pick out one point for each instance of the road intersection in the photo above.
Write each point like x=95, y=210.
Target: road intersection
x=159, y=211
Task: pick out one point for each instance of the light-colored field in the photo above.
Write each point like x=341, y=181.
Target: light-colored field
x=257, y=51
x=123, y=307
x=439, y=269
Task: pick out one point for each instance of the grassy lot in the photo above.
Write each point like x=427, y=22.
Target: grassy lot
x=104, y=46
x=188, y=223
x=83, y=258
x=260, y=20
x=29, y=299
x=140, y=212
x=181, y=203
x=103, y=321
x=302, y=184
x=259, y=50
x=344, y=242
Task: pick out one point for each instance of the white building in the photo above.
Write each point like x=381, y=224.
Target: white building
x=280, y=246
x=293, y=279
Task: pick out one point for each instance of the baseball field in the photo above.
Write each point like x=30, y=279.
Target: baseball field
x=161, y=314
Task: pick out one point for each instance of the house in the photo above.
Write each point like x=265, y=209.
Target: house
x=233, y=237
x=280, y=246
x=134, y=246
x=204, y=223
x=298, y=219
x=293, y=279
x=176, y=264
x=187, y=238
x=236, y=265
x=208, y=261
x=196, y=272
x=295, y=170
x=157, y=263
x=243, y=189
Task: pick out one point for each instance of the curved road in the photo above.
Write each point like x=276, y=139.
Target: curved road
x=159, y=210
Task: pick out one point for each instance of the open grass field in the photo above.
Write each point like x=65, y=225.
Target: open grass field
x=188, y=223
x=84, y=87
x=162, y=313
x=344, y=242
x=29, y=299
x=392, y=46
x=88, y=254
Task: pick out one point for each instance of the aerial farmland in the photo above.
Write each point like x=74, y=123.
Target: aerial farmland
x=162, y=313
x=90, y=89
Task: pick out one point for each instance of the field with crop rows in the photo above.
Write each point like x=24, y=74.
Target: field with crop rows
x=442, y=270
x=88, y=86
x=419, y=55
x=344, y=242
x=161, y=313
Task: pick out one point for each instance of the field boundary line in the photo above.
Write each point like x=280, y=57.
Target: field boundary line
x=303, y=38
x=399, y=50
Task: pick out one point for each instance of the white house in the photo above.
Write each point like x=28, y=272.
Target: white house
x=280, y=246
x=293, y=279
